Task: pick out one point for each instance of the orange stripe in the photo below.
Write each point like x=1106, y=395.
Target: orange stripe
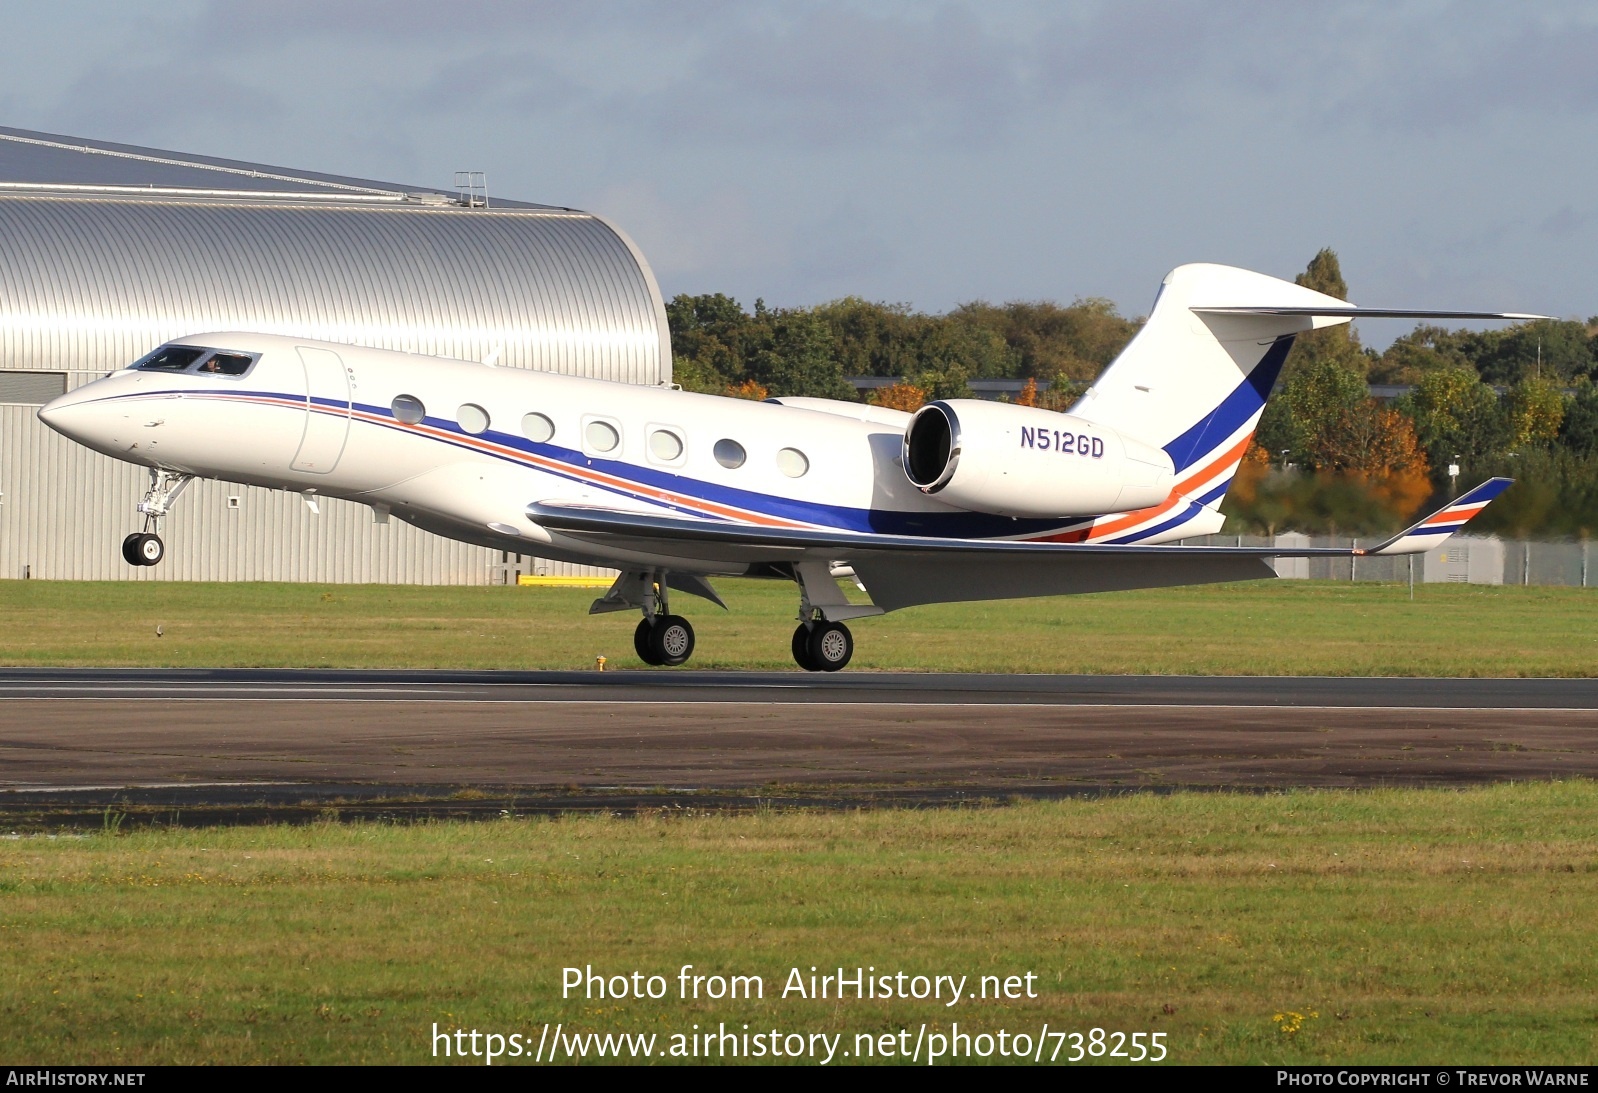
x=1448, y=516
x=1232, y=456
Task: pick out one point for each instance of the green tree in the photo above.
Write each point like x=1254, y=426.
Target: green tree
x=872, y=339
x=1544, y=349
x=1334, y=344
x=797, y=358
x=1059, y=344
x=1424, y=349
x=710, y=337
x=1578, y=431
x=1533, y=409
x=1305, y=417
x=1456, y=416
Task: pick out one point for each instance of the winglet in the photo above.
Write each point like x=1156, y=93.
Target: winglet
x=1444, y=522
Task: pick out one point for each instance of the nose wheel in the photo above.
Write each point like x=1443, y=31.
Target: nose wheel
x=143, y=548
x=664, y=641
x=822, y=646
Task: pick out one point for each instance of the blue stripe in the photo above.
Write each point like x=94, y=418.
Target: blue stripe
x=1246, y=400
x=1215, y=495
x=1187, y=514
x=1485, y=492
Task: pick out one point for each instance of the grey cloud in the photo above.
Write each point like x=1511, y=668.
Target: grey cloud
x=825, y=77
x=1565, y=221
x=253, y=24
x=1541, y=69
x=135, y=102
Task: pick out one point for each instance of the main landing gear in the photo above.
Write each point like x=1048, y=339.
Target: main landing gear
x=822, y=646
x=822, y=643
x=145, y=547
x=662, y=639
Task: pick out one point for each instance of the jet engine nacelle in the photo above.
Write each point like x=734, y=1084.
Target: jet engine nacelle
x=1023, y=461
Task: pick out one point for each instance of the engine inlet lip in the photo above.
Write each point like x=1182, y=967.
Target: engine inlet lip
x=951, y=422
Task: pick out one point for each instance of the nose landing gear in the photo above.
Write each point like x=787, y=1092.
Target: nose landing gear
x=145, y=547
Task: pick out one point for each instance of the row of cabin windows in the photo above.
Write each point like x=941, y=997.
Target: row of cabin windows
x=665, y=446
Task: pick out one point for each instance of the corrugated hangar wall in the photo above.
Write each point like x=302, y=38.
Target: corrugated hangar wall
x=89, y=282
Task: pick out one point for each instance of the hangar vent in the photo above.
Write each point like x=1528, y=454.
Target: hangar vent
x=112, y=249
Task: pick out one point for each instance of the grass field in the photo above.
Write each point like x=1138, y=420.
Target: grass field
x=1377, y=927
x=1269, y=628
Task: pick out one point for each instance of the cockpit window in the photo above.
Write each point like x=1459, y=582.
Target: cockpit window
x=170, y=358
x=193, y=358
x=226, y=364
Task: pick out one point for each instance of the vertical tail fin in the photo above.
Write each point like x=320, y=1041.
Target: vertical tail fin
x=1195, y=381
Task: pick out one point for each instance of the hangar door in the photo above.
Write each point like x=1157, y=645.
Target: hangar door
x=327, y=410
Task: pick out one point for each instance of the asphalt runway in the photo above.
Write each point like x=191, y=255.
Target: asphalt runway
x=230, y=746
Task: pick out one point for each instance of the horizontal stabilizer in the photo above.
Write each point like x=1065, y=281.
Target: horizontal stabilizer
x=1352, y=312
x=1444, y=522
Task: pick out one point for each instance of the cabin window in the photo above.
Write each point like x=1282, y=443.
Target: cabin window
x=665, y=445
x=170, y=358
x=792, y=462
x=226, y=364
x=472, y=418
x=537, y=428
x=601, y=436
x=408, y=409
x=730, y=454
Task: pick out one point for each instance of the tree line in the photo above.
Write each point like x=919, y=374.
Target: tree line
x=1328, y=457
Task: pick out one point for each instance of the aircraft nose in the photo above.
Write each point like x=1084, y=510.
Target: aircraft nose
x=68, y=414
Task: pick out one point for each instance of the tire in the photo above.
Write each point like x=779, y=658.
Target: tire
x=641, y=644
x=150, y=549
x=130, y=549
x=831, y=646
x=671, y=640
x=801, y=649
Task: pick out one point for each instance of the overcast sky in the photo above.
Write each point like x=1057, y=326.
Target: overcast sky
x=921, y=152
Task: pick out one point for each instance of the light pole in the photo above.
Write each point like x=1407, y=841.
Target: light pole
x=1453, y=478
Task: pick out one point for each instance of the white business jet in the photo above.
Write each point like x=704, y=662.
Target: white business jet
x=964, y=500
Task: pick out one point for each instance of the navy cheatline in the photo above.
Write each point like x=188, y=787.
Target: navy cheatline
x=1246, y=400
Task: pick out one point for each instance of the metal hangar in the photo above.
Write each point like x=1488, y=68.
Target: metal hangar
x=107, y=250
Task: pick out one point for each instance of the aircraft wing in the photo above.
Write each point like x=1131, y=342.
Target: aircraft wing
x=802, y=541
x=905, y=570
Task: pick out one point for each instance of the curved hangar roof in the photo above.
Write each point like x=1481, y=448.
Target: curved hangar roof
x=111, y=250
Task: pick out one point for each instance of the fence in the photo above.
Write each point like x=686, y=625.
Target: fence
x=1461, y=560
